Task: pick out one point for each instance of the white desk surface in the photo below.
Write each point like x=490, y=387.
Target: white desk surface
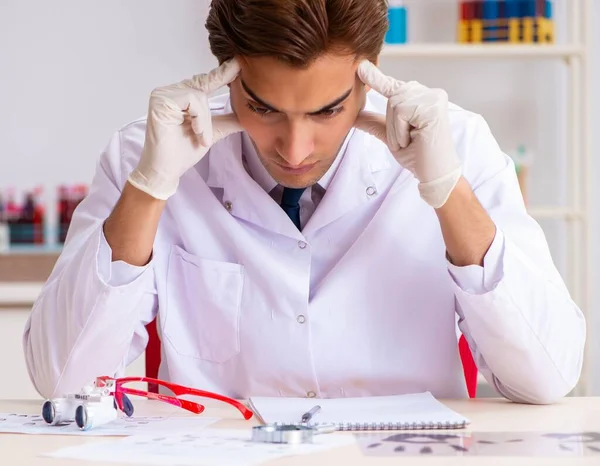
x=487, y=415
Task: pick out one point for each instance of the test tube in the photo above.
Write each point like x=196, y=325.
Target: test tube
x=398, y=19
x=514, y=23
x=490, y=20
x=528, y=20
x=464, y=22
x=546, y=22
x=477, y=22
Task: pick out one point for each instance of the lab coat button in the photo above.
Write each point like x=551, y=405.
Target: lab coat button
x=371, y=191
x=301, y=319
x=311, y=395
x=302, y=244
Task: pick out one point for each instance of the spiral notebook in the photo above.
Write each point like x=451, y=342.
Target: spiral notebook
x=402, y=412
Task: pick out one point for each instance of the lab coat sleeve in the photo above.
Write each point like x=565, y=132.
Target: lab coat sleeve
x=90, y=317
x=476, y=279
x=526, y=333
x=118, y=273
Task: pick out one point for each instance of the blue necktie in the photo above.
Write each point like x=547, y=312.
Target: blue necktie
x=290, y=203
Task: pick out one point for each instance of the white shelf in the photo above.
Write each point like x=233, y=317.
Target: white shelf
x=451, y=50
x=23, y=294
x=559, y=213
x=33, y=249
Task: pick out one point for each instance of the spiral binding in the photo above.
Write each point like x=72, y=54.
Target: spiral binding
x=365, y=426
x=371, y=426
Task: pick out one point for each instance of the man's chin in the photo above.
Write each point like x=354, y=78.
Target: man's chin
x=297, y=181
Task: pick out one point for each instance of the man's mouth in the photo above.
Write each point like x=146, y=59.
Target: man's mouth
x=301, y=170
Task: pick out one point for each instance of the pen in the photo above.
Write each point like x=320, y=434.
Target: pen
x=306, y=417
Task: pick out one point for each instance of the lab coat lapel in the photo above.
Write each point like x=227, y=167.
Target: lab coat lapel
x=242, y=196
x=352, y=186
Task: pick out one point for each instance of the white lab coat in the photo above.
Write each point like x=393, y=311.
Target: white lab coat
x=361, y=302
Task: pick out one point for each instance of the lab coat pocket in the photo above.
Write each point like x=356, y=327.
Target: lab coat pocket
x=202, y=318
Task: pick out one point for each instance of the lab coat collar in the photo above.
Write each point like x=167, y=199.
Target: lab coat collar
x=242, y=196
x=351, y=183
x=352, y=186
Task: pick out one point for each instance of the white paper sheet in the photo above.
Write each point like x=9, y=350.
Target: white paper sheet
x=209, y=447
x=136, y=425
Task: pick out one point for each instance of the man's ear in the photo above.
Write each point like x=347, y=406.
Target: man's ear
x=366, y=87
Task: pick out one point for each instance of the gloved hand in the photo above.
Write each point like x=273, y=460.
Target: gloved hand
x=416, y=130
x=181, y=130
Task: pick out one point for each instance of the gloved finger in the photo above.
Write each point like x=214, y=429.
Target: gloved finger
x=373, y=124
x=412, y=90
x=167, y=108
x=393, y=134
x=418, y=105
x=372, y=76
x=225, y=125
x=217, y=78
x=402, y=129
x=189, y=134
x=403, y=113
x=199, y=111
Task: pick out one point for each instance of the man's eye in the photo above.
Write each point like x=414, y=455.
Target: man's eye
x=331, y=112
x=259, y=110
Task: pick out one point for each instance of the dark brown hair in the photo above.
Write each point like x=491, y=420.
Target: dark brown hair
x=296, y=31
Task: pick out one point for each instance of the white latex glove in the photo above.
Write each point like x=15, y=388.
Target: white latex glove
x=416, y=130
x=181, y=130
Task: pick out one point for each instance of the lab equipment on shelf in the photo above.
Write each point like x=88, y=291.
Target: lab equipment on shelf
x=69, y=198
x=523, y=160
x=26, y=222
x=398, y=18
x=512, y=21
x=22, y=221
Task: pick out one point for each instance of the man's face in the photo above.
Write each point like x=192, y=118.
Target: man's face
x=298, y=118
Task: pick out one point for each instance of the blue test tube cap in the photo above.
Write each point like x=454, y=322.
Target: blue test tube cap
x=549, y=9
x=512, y=8
x=397, y=32
x=527, y=8
x=491, y=9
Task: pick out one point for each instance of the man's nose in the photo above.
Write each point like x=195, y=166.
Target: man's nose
x=297, y=144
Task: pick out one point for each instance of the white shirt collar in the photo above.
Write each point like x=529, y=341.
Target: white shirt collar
x=260, y=174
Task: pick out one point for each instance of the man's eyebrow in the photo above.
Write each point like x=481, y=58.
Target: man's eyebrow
x=258, y=99
x=333, y=104
x=324, y=109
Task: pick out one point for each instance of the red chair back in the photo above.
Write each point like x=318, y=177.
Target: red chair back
x=152, y=355
x=469, y=366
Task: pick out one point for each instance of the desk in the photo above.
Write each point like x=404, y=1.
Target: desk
x=487, y=415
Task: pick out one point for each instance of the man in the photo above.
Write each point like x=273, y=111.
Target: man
x=316, y=231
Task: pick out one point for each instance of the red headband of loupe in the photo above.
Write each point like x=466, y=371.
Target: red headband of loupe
x=178, y=390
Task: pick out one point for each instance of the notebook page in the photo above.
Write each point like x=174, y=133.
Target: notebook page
x=413, y=408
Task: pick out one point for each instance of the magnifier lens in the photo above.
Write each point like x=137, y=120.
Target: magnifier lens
x=94, y=415
x=59, y=411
